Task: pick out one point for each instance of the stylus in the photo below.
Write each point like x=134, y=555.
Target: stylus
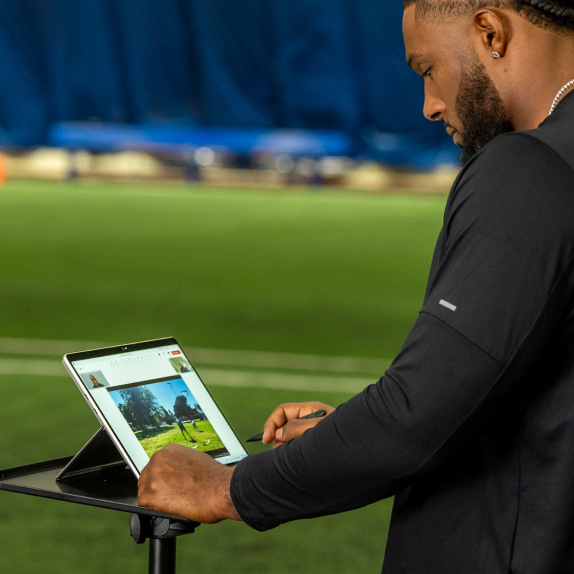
x=314, y=415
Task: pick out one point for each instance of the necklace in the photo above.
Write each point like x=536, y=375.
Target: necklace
x=560, y=95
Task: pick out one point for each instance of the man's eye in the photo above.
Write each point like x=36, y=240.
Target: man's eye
x=427, y=73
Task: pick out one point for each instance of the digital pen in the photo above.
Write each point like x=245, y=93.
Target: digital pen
x=315, y=415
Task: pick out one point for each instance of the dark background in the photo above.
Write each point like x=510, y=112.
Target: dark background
x=316, y=64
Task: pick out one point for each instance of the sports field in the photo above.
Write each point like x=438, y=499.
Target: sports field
x=153, y=440
x=279, y=296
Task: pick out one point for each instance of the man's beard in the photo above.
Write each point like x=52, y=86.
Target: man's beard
x=480, y=110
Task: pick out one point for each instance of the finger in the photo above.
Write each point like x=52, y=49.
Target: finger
x=150, y=475
x=145, y=494
x=173, y=446
x=295, y=428
x=277, y=419
x=143, y=475
x=288, y=411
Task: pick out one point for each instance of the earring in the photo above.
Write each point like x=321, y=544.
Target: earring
x=496, y=54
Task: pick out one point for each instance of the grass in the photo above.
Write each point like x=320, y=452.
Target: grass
x=295, y=272
x=153, y=439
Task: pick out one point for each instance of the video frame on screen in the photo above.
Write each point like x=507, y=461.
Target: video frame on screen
x=95, y=380
x=180, y=365
x=166, y=411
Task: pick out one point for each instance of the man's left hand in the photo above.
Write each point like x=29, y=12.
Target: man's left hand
x=179, y=480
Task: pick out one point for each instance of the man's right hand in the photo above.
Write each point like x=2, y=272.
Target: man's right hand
x=283, y=424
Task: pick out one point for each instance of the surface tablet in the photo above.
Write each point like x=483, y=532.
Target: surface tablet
x=149, y=394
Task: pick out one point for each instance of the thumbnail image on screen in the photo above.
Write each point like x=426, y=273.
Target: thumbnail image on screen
x=180, y=365
x=94, y=380
x=166, y=411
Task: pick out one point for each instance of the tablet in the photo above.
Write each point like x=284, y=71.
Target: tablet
x=149, y=394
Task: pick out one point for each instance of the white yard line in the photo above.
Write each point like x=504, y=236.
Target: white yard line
x=220, y=357
x=44, y=346
x=34, y=367
x=289, y=361
x=213, y=377
x=286, y=381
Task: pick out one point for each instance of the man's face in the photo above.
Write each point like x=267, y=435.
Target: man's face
x=458, y=89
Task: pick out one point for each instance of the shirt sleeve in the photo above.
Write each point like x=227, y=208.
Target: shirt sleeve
x=500, y=285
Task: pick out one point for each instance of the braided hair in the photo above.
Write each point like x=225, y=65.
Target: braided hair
x=552, y=14
x=557, y=15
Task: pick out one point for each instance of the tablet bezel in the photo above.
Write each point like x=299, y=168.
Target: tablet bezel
x=69, y=358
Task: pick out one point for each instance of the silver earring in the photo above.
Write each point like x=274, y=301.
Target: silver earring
x=496, y=54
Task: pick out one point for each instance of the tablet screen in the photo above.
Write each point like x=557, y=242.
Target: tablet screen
x=152, y=396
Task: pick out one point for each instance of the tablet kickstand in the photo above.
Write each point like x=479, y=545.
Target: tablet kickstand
x=98, y=454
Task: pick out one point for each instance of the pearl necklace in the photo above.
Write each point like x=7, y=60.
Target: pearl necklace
x=560, y=95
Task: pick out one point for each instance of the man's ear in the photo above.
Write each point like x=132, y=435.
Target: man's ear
x=494, y=29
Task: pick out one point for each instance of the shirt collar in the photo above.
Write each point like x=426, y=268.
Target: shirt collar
x=561, y=106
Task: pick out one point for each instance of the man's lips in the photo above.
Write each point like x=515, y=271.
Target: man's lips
x=453, y=133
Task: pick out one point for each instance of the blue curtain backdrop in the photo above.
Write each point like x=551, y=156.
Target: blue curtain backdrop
x=317, y=64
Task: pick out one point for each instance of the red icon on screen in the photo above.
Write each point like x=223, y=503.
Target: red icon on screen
x=176, y=352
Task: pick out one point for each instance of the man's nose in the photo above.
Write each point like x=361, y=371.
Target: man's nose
x=434, y=107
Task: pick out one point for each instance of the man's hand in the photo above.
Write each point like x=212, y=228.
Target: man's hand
x=283, y=425
x=179, y=480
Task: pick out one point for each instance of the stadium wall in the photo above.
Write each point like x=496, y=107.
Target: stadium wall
x=316, y=64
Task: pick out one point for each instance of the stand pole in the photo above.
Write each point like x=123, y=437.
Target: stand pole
x=161, y=533
x=162, y=556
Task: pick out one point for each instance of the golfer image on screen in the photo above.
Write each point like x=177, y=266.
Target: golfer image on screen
x=184, y=431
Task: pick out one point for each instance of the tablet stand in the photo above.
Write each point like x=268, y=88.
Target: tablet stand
x=98, y=476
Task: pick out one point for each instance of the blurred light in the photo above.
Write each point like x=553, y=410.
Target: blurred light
x=306, y=167
x=284, y=163
x=334, y=165
x=204, y=156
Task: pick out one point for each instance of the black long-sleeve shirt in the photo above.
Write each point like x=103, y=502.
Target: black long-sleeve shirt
x=472, y=426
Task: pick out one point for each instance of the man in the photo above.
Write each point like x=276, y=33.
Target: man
x=472, y=427
x=183, y=368
x=184, y=431
x=95, y=383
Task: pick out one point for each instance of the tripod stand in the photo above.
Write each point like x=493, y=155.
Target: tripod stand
x=97, y=476
x=162, y=533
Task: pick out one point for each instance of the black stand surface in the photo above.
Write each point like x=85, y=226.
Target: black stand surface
x=98, y=476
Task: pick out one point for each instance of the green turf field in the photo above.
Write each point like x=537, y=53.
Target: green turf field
x=307, y=273
x=154, y=439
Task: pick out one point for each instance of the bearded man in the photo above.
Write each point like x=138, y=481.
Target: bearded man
x=472, y=426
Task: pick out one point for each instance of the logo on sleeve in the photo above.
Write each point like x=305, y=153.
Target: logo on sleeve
x=447, y=305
